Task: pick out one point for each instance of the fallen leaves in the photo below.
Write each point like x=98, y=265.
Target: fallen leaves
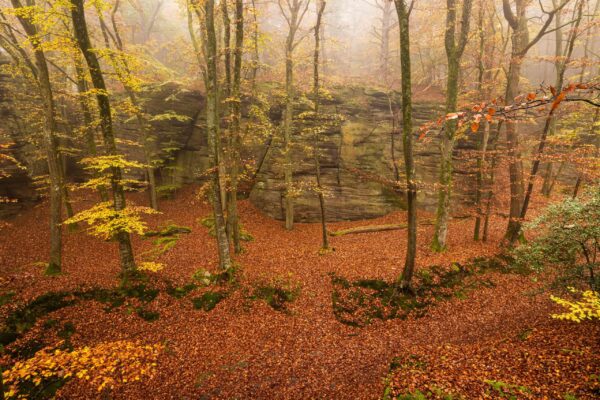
x=244, y=349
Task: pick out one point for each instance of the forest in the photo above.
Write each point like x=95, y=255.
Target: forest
x=300, y=199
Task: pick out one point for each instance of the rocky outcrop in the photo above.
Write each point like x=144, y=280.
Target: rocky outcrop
x=357, y=157
x=361, y=161
x=16, y=189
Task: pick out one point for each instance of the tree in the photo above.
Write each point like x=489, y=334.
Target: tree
x=206, y=14
x=403, y=12
x=521, y=43
x=563, y=57
x=549, y=122
x=235, y=131
x=454, y=52
x=42, y=75
x=316, y=88
x=106, y=126
x=294, y=12
x=125, y=76
x=382, y=36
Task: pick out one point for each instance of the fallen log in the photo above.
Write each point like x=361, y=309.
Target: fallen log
x=373, y=228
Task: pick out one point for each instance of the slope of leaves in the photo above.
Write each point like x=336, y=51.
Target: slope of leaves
x=247, y=349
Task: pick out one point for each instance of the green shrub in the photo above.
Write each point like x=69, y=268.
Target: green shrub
x=568, y=236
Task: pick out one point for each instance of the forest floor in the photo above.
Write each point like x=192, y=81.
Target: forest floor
x=491, y=341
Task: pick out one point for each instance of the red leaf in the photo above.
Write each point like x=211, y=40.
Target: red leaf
x=558, y=100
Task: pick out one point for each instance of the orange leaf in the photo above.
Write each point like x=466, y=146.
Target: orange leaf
x=531, y=96
x=558, y=100
x=474, y=126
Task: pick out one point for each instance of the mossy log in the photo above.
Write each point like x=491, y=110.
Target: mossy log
x=373, y=228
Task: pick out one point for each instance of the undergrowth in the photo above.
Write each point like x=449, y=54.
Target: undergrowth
x=359, y=302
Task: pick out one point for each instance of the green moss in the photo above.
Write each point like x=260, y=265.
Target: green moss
x=147, y=315
x=180, y=292
x=358, y=303
x=25, y=317
x=276, y=297
x=6, y=298
x=168, y=230
x=52, y=270
x=209, y=223
x=209, y=300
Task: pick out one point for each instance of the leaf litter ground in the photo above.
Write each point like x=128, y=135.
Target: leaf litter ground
x=496, y=340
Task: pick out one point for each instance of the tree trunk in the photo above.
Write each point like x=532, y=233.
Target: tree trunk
x=490, y=182
x=255, y=54
x=481, y=170
x=316, y=86
x=407, y=140
x=212, y=127
x=513, y=234
x=124, y=74
x=518, y=22
x=454, y=53
x=50, y=128
x=236, y=115
x=88, y=128
x=287, y=136
x=106, y=126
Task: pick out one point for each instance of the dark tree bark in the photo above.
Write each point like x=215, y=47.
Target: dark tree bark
x=123, y=72
x=407, y=139
x=293, y=11
x=41, y=72
x=212, y=126
x=514, y=233
x=106, y=126
x=521, y=43
x=454, y=52
x=236, y=116
x=316, y=87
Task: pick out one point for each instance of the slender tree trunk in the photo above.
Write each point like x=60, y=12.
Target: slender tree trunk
x=558, y=53
x=407, y=140
x=236, y=111
x=454, y=53
x=513, y=234
x=490, y=182
x=52, y=153
x=481, y=170
x=226, y=46
x=255, y=53
x=287, y=138
x=124, y=74
x=518, y=22
x=212, y=126
x=106, y=126
x=316, y=87
x=88, y=128
x=520, y=38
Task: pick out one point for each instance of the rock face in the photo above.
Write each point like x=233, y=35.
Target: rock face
x=358, y=161
x=357, y=157
x=16, y=190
